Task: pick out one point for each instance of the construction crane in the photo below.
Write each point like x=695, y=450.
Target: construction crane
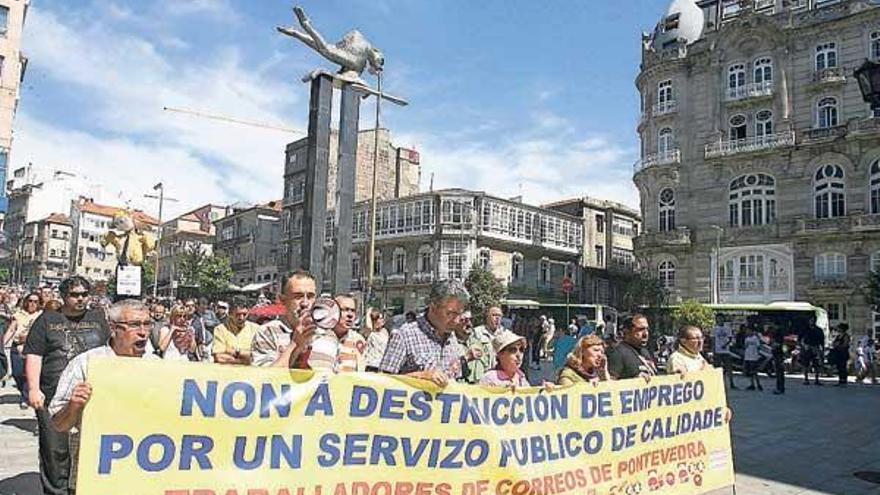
x=231, y=120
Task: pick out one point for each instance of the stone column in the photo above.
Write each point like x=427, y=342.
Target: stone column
x=345, y=185
x=317, y=167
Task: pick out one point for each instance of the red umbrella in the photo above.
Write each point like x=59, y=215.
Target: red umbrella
x=268, y=310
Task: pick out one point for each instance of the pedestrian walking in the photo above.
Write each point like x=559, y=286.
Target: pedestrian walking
x=722, y=336
x=280, y=342
x=233, y=339
x=867, y=355
x=130, y=325
x=427, y=347
x=177, y=339
x=56, y=337
x=16, y=334
x=751, y=358
x=812, y=342
x=631, y=357
x=587, y=363
x=687, y=357
x=510, y=350
x=840, y=356
x=778, y=351
x=377, y=341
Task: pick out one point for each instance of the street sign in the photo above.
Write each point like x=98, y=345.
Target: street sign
x=567, y=285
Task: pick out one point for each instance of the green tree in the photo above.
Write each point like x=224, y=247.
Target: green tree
x=189, y=264
x=693, y=312
x=485, y=290
x=214, y=275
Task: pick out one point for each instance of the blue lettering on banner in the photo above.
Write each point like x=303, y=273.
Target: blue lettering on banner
x=113, y=447
x=320, y=401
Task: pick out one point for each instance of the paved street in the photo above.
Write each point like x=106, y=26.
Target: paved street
x=809, y=441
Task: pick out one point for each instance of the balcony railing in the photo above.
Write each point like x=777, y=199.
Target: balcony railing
x=825, y=133
x=681, y=236
x=751, y=90
x=423, y=277
x=664, y=107
x=662, y=158
x=829, y=75
x=750, y=144
x=764, y=4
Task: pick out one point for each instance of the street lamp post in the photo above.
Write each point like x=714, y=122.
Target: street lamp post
x=162, y=199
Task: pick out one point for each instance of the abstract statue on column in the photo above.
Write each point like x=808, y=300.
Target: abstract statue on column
x=353, y=53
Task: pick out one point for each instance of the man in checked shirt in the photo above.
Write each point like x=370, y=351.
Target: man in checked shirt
x=427, y=348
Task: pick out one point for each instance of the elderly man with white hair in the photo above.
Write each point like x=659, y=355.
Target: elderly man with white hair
x=130, y=325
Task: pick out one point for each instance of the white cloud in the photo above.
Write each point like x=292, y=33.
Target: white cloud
x=542, y=169
x=126, y=81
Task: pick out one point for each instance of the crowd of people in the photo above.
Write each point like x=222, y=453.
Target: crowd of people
x=54, y=332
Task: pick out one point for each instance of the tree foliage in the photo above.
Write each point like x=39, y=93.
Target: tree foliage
x=693, y=312
x=485, y=291
x=188, y=265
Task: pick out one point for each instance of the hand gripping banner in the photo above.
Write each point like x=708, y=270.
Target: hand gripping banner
x=159, y=428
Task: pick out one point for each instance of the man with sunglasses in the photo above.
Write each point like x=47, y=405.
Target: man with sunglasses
x=56, y=337
x=130, y=325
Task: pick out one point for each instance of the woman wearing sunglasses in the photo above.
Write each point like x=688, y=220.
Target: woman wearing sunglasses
x=509, y=349
x=586, y=363
x=29, y=308
x=177, y=341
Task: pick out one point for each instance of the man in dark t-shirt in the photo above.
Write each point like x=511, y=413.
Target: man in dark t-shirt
x=55, y=338
x=631, y=358
x=812, y=351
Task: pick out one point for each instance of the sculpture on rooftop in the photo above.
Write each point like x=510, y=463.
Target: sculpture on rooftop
x=353, y=53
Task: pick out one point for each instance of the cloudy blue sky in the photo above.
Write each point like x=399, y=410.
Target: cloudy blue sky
x=507, y=96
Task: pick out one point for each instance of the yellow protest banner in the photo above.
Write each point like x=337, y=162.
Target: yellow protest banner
x=159, y=428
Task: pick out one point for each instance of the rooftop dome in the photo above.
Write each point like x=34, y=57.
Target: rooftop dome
x=683, y=19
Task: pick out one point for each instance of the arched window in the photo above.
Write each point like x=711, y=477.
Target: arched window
x=826, y=112
x=665, y=98
x=666, y=273
x=752, y=200
x=516, y=266
x=764, y=71
x=874, y=49
x=737, y=127
x=667, y=210
x=399, y=261
x=763, y=123
x=829, y=191
x=736, y=80
x=830, y=266
x=665, y=141
x=485, y=258
x=875, y=187
x=826, y=56
x=426, y=259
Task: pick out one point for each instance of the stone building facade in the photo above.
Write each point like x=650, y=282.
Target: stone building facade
x=607, y=255
x=46, y=248
x=250, y=236
x=399, y=176
x=441, y=234
x=193, y=230
x=12, y=69
x=759, y=175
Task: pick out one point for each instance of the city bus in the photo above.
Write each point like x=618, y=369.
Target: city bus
x=793, y=317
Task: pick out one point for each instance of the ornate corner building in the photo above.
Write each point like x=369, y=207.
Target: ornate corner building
x=759, y=177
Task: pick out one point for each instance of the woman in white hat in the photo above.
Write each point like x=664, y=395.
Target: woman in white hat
x=509, y=349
